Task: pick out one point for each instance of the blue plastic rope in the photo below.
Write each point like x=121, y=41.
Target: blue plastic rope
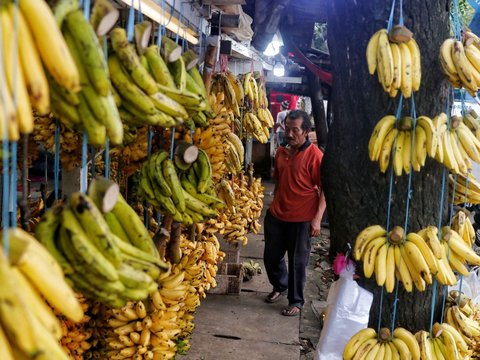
x=434, y=299
x=390, y=19
x=107, y=142
x=149, y=153
x=140, y=13
x=107, y=158
x=86, y=9
x=84, y=168
x=400, y=21
x=180, y=19
x=397, y=116
x=5, y=156
x=173, y=143
x=131, y=22
x=456, y=21
x=56, y=163
x=13, y=190
x=200, y=31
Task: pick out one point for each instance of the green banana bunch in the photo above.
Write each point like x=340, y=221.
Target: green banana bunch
x=181, y=189
x=104, y=259
x=93, y=109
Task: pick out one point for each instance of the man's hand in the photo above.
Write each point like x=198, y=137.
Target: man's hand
x=315, y=227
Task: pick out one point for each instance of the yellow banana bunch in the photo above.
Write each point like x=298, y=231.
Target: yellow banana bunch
x=414, y=259
x=40, y=44
x=259, y=129
x=445, y=343
x=472, y=121
x=227, y=83
x=29, y=278
x=460, y=62
x=459, y=251
x=459, y=144
x=468, y=328
x=407, y=145
x=367, y=344
x=77, y=336
x=396, y=61
x=114, y=263
x=235, y=153
x=467, y=189
x=463, y=226
x=185, y=193
x=244, y=200
x=213, y=138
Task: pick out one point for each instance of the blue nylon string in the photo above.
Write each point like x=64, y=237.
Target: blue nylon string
x=390, y=189
x=180, y=19
x=5, y=155
x=149, y=153
x=131, y=22
x=400, y=21
x=107, y=158
x=86, y=9
x=84, y=169
x=140, y=13
x=173, y=143
x=13, y=190
x=200, y=31
x=390, y=19
x=56, y=164
x=413, y=114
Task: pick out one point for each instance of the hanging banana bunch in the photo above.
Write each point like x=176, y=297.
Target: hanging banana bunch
x=395, y=56
x=460, y=62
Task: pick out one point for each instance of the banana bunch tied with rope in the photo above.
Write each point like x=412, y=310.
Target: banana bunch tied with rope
x=244, y=206
x=460, y=61
x=114, y=263
x=463, y=226
x=395, y=56
x=413, y=259
x=444, y=343
x=392, y=140
x=38, y=52
x=70, y=141
x=458, y=314
x=77, y=337
x=472, y=120
x=231, y=87
x=213, y=139
x=30, y=277
x=154, y=86
x=459, y=144
x=466, y=189
x=367, y=344
x=156, y=328
x=93, y=108
x=187, y=194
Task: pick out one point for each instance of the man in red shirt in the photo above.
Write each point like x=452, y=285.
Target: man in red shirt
x=295, y=213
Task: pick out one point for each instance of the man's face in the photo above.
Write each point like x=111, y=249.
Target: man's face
x=294, y=134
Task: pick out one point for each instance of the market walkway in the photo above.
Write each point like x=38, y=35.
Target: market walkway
x=245, y=327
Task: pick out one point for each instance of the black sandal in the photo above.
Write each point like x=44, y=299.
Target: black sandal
x=292, y=310
x=273, y=297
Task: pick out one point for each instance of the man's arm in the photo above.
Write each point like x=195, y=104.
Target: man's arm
x=315, y=224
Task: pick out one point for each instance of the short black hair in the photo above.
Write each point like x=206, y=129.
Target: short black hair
x=300, y=114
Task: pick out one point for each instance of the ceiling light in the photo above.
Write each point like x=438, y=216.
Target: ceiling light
x=279, y=70
x=154, y=11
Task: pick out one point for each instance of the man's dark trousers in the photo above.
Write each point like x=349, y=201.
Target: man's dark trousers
x=292, y=238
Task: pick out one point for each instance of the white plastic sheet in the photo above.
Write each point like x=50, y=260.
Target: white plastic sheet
x=348, y=312
x=470, y=285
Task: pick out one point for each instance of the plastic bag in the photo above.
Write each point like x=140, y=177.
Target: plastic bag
x=348, y=312
x=470, y=285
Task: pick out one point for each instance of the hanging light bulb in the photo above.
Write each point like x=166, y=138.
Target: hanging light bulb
x=279, y=69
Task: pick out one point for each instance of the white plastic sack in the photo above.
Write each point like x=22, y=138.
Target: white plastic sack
x=348, y=312
x=470, y=285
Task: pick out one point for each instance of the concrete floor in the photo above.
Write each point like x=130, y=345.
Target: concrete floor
x=245, y=327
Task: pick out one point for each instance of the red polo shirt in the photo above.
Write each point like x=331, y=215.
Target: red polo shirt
x=297, y=182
